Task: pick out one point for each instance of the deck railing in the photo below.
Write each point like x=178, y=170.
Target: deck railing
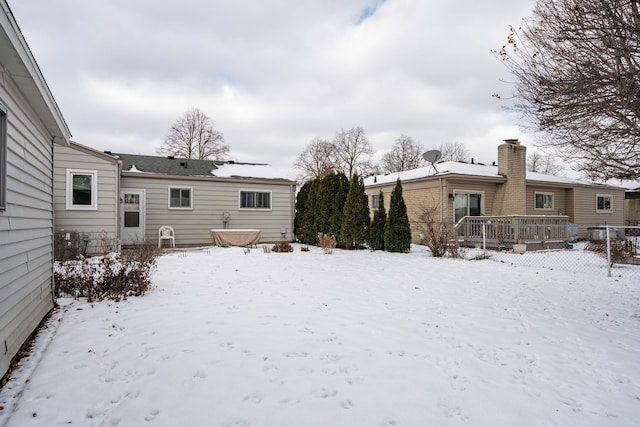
x=505, y=230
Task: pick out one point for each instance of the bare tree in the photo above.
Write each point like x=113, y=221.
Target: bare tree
x=353, y=152
x=454, y=151
x=317, y=158
x=405, y=154
x=193, y=136
x=542, y=163
x=576, y=65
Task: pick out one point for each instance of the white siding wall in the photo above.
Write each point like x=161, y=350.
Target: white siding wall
x=210, y=200
x=26, y=227
x=92, y=222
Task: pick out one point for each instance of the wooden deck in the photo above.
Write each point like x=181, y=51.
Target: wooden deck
x=494, y=232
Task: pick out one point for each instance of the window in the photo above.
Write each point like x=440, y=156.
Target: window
x=603, y=202
x=180, y=197
x=375, y=201
x=466, y=204
x=3, y=159
x=543, y=201
x=82, y=189
x=255, y=199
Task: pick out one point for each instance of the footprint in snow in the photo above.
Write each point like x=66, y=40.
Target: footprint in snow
x=152, y=415
x=255, y=397
x=200, y=374
x=324, y=393
x=347, y=404
x=236, y=422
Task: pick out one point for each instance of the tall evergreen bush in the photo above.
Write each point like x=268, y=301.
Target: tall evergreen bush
x=397, y=232
x=335, y=222
x=309, y=231
x=355, y=220
x=301, y=201
x=376, y=232
x=328, y=189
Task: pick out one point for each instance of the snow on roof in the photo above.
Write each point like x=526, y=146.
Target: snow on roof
x=229, y=170
x=440, y=169
x=470, y=169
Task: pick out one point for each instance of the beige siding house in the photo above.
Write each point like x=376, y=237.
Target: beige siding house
x=196, y=196
x=86, y=187
x=30, y=125
x=632, y=208
x=455, y=190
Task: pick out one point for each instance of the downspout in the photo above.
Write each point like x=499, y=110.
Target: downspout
x=53, y=225
x=118, y=246
x=443, y=200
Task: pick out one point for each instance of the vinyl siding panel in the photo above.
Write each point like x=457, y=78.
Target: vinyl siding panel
x=26, y=227
x=93, y=222
x=585, y=207
x=210, y=199
x=559, y=200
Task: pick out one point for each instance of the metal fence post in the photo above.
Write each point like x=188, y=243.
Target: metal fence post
x=608, y=252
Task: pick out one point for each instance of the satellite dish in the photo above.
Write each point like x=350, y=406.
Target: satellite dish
x=432, y=156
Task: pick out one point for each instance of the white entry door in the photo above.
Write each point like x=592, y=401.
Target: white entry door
x=132, y=216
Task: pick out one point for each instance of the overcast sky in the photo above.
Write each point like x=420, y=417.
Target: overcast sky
x=274, y=74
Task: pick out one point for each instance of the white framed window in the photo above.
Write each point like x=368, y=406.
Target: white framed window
x=604, y=203
x=543, y=201
x=250, y=199
x=82, y=189
x=375, y=201
x=180, y=198
x=466, y=203
x=3, y=159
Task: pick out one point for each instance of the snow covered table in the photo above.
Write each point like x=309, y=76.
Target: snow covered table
x=235, y=237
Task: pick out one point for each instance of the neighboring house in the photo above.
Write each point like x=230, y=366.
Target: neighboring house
x=632, y=207
x=196, y=196
x=454, y=190
x=30, y=125
x=86, y=188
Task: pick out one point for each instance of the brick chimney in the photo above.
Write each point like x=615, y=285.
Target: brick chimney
x=512, y=164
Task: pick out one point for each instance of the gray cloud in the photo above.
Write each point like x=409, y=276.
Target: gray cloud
x=273, y=75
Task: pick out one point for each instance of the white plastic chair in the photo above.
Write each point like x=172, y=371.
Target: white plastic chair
x=166, y=233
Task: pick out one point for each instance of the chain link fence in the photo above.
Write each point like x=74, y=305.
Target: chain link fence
x=602, y=250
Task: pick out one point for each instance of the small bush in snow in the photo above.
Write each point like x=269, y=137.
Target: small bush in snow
x=622, y=250
x=327, y=243
x=283, y=246
x=481, y=256
x=439, y=237
x=110, y=277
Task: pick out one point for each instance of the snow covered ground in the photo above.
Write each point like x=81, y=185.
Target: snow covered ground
x=356, y=338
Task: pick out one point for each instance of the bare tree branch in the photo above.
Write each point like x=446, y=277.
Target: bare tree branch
x=542, y=163
x=353, y=152
x=405, y=154
x=193, y=136
x=317, y=159
x=454, y=151
x=576, y=65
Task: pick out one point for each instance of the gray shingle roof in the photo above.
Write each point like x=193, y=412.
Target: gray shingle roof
x=170, y=165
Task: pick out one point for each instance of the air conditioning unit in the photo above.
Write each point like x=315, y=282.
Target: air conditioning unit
x=66, y=245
